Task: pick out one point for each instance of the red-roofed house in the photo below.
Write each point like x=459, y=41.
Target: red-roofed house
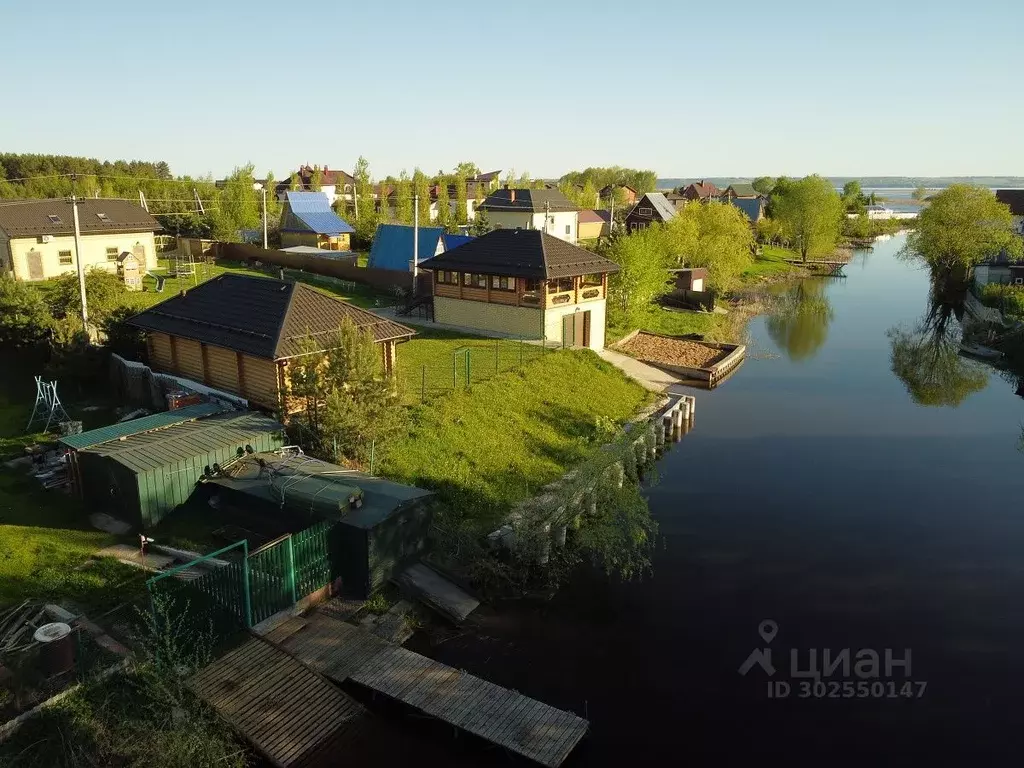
x=701, y=190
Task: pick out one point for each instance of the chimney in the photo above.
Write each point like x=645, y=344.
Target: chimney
x=325, y=169
x=511, y=195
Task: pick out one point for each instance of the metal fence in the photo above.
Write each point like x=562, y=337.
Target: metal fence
x=465, y=366
x=244, y=591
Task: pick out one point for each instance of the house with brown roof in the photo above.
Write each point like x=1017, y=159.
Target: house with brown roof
x=523, y=283
x=700, y=191
x=336, y=184
x=592, y=226
x=37, y=237
x=240, y=334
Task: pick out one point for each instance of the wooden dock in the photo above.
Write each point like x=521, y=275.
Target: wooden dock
x=341, y=651
x=289, y=713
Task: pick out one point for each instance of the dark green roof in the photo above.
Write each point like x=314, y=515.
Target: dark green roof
x=138, y=426
x=152, y=450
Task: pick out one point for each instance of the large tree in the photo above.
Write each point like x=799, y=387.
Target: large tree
x=461, y=214
x=644, y=258
x=716, y=236
x=763, y=185
x=811, y=213
x=24, y=316
x=403, y=199
x=421, y=187
x=963, y=226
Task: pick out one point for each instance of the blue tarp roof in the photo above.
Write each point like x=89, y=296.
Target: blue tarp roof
x=392, y=246
x=454, y=241
x=311, y=212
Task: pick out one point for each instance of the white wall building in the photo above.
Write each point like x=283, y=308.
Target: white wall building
x=545, y=210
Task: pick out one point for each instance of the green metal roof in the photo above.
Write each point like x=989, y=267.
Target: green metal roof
x=137, y=426
x=152, y=450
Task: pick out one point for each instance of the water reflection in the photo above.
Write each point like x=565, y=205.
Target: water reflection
x=799, y=319
x=927, y=358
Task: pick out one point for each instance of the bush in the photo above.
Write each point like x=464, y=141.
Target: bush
x=1009, y=299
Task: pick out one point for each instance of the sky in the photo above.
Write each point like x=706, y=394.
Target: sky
x=740, y=88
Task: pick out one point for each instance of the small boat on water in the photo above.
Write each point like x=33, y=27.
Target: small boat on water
x=981, y=352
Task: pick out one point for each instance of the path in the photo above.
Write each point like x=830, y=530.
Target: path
x=649, y=377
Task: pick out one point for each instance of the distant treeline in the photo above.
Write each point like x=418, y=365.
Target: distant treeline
x=904, y=182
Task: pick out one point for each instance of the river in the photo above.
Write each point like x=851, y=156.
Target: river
x=816, y=494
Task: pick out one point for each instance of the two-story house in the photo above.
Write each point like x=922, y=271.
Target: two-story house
x=652, y=208
x=525, y=283
x=37, y=237
x=544, y=210
x=700, y=191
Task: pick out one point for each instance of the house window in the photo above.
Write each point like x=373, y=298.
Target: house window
x=112, y=254
x=55, y=219
x=474, y=281
x=503, y=283
x=65, y=258
x=595, y=279
x=645, y=211
x=532, y=285
x=480, y=281
x=448, y=278
x=561, y=285
x=568, y=229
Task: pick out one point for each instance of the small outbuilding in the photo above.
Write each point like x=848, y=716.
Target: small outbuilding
x=381, y=526
x=130, y=271
x=141, y=477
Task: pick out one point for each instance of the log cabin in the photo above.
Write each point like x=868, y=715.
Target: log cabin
x=238, y=334
x=526, y=283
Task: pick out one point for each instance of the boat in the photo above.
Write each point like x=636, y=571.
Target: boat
x=981, y=352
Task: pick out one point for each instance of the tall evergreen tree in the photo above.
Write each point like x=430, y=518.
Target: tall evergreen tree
x=460, y=200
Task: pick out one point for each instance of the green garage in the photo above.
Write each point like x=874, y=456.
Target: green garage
x=141, y=478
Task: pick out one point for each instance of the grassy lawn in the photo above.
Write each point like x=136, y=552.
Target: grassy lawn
x=670, y=323
x=771, y=263
x=485, y=448
x=428, y=364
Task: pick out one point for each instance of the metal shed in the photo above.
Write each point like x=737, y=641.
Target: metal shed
x=140, y=478
x=380, y=528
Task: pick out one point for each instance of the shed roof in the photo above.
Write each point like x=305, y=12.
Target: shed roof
x=138, y=426
x=153, y=450
x=259, y=316
x=33, y=218
x=380, y=498
x=521, y=253
x=454, y=241
x=392, y=246
x=311, y=212
x=588, y=216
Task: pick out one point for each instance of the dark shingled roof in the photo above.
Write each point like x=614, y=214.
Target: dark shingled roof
x=521, y=253
x=31, y=218
x=1013, y=198
x=536, y=200
x=259, y=316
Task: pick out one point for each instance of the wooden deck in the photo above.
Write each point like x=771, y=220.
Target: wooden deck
x=289, y=713
x=506, y=718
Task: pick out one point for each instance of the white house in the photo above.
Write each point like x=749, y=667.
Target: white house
x=546, y=210
x=337, y=185
x=37, y=237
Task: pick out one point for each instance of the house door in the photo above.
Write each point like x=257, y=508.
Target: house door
x=35, y=265
x=576, y=329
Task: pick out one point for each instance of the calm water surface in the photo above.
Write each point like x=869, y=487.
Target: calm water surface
x=815, y=493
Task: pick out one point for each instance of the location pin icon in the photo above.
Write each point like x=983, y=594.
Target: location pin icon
x=767, y=629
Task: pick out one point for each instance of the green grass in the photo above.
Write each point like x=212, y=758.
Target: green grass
x=1008, y=299
x=435, y=351
x=659, y=320
x=770, y=264
x=483, y=449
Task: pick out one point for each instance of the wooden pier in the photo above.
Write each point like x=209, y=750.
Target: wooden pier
x=341, y=651
x=292, y=715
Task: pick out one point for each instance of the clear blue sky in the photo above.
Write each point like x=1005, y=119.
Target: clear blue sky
x=907, y=87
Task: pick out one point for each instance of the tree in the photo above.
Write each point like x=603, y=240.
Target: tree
x=919, y=193
x=104, y=292
x=403, y=199
x=461, y=214
x=763, y=185
x=481, y=225
x=768, y=231
x=467, y=170
x=811, y=214
x=273, y=204
x=239, y=207
x=444, y=204
x=588, y=195
x=421, y=187
x=316, y=181
x=964, y=226
x=24, y=316
x=716, y=236
x=643, y=260
x=294, y=183
x=853, y=198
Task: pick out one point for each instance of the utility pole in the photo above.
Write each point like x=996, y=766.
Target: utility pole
x=611, y=219
x=264, y=190
x=81, y=269
x=415, y=240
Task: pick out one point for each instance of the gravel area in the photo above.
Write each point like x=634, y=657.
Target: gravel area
x=692, y=354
